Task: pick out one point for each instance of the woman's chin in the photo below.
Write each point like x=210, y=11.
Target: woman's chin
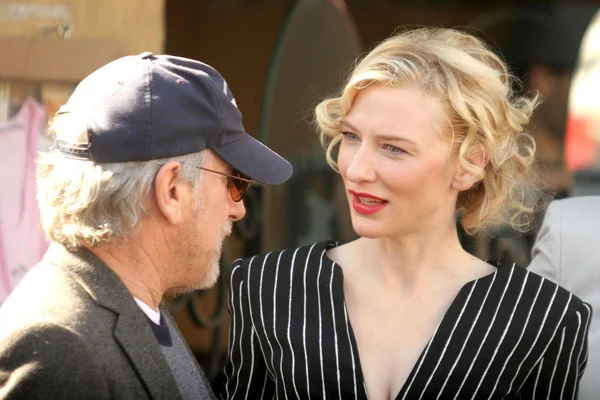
x=369, y=232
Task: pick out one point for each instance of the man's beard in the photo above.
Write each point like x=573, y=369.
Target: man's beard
x=212, y=262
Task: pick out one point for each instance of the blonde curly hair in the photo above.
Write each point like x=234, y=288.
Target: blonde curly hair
x=483, y=113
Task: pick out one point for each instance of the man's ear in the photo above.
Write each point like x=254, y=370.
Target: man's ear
x=169, y=192
x=465, y=179
x=541, y=79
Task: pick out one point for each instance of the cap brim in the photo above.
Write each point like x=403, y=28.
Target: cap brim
x=254, y=159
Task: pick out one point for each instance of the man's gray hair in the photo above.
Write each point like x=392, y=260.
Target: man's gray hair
x=83, y=202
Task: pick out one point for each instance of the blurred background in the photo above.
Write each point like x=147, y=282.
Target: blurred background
x=280, y=58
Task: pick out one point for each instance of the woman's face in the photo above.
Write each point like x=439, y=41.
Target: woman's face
x=398, y=171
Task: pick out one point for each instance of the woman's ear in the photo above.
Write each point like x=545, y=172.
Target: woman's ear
x=466, y=178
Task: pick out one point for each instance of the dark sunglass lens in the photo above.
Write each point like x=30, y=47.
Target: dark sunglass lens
x=238, y=187
x=236, y=195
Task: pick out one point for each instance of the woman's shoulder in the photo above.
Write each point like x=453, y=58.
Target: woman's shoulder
x=540, y=297
x=549, y=290
x=312, y=254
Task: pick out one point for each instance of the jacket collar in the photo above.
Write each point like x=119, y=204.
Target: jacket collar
x=131, y=331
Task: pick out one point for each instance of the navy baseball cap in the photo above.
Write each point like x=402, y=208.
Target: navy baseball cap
x=145, y=107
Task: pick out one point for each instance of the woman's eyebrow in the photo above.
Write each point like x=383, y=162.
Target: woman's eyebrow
x=380, y=136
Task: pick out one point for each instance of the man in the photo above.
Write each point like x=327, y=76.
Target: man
x=566, y=252
x=150, y=164
x=543, y=52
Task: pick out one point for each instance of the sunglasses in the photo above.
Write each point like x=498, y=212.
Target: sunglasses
x=237, y=183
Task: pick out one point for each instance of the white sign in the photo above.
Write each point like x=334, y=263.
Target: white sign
x=24, y=11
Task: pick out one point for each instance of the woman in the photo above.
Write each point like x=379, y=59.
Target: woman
x=428, y=129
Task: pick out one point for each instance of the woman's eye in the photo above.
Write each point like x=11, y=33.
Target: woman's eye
x=393, y=149
x=350, y=136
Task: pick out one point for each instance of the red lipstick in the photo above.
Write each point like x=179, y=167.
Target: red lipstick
x=367, y=204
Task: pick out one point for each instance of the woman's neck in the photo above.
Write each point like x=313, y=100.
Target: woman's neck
x=413, y=261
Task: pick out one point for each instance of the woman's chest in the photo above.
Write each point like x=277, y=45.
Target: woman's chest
x=391, y=333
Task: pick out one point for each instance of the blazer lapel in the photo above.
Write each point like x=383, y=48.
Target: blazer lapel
x=132, y=330
x=143, y=350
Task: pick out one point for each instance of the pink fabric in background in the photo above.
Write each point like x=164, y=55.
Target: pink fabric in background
x=22, y=242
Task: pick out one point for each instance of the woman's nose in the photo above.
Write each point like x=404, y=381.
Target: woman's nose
x=360, y=165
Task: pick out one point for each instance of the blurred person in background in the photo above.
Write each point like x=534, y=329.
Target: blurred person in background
x=428, y=129
x=565, y=250
x=150, y=164
x=566, y=253
x=543, y=53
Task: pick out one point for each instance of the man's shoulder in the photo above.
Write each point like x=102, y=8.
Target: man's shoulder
x=578, y=201
x=583, y=206
x=40, y=334
x=40, y=321
x=33, y=356
x=48, y=295
x=573, y=221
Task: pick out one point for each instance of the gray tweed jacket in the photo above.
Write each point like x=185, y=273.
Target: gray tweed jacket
x=71, y=330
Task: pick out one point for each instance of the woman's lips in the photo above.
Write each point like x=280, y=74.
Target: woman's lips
x=367, y=204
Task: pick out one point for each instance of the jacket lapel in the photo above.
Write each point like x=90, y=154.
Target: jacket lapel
x=143, y=350
x=132, y=330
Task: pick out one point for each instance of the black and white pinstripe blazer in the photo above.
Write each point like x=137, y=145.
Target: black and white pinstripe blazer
x=511, y=334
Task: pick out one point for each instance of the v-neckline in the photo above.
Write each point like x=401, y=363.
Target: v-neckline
x=401, y=395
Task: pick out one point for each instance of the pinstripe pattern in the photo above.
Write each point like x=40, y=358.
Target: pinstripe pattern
x=511, y=334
